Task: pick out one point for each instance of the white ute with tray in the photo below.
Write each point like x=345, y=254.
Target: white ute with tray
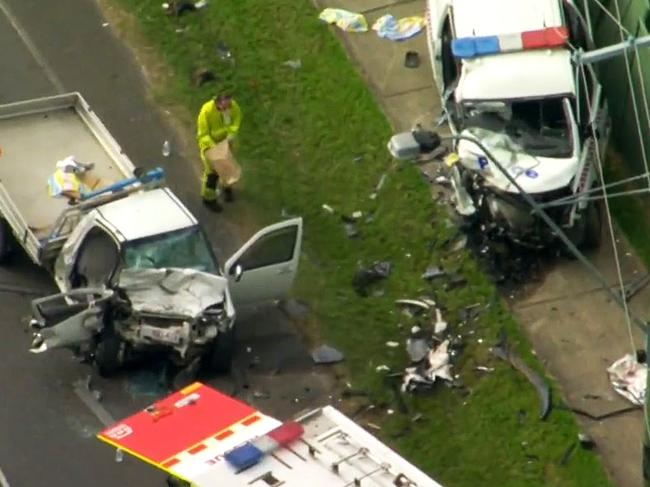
x=135, y=270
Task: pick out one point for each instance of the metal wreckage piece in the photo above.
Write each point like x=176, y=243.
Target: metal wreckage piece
x=503, y=351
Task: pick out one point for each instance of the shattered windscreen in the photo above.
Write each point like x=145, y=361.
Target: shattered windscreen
x=184, y=249
x=540, y=127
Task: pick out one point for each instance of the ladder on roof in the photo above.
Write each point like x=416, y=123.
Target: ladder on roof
x=337, y=449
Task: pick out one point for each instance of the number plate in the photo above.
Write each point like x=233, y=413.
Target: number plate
x=167, y=335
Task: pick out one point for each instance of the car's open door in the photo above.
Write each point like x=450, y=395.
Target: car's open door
x=68, y=319
x=264, y=268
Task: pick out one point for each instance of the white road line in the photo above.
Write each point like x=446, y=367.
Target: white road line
x=33, y=50
x=3, y=480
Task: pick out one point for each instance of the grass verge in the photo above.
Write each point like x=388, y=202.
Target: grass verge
x=315, y=136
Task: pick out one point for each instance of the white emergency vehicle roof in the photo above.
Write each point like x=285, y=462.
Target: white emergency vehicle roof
x=145, y=214
x=189, y=433
x=474, y=18
x=526, y=74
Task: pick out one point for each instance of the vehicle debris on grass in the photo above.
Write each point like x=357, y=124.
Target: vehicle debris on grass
x=435, y=366
x=504, y=352
x=224, y=53
x=181, y=7
x=366, y=276
x=293, y=63
x=417, y=345
x=326, y=354
x=628, y=377
x=433, y=272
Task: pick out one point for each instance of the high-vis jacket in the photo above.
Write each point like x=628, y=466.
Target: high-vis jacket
x=214, y=126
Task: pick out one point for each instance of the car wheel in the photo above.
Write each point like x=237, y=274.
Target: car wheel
x=107, y=353
x=592, y=226
x=219, y=356
x=5, y=241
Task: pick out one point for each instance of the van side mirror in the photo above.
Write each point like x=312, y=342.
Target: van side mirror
x=411, y=145
x=238, y=272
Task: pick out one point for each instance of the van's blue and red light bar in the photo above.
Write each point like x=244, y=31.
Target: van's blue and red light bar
x=252, y=452
x=472, y=47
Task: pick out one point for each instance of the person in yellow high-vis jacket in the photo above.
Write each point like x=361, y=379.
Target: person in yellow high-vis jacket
x=218, y=120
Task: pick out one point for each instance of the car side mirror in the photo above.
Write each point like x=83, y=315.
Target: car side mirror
x=238, y=272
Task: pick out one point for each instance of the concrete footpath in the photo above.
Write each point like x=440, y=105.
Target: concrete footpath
x=574, y=328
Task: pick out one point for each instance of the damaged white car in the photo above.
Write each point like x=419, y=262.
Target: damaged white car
x=135, y=271
x=134, y=285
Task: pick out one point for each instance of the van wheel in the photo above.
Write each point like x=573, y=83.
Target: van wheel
x=107, y=353
x=592, y=226
x=5, y=241
x=219, y=357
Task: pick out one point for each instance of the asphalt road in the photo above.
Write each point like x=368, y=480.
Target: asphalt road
x=46, y=430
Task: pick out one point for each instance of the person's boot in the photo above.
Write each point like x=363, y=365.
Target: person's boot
x=228, y=194
x=212, y=205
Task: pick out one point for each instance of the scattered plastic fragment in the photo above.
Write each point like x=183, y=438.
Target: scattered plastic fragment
x=392, y=344
x=629, y=377
x=224, y=53
x=433, y=272
x=327, y=355
x=502, y=351
x=351, y=231
x=344, y=19
x=459, y=244
x=388, y=27
x=436, y=366
x=442, y=180
x=327, y=208
x=293, y=63
x=417, y=345
x=413, y=307
x=364, y=277
x=440, y=325
x=382, y=368
x=483, y=368
x=180, y=7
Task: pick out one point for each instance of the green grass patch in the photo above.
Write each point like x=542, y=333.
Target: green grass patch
x=315, y=136
x=630, y=212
